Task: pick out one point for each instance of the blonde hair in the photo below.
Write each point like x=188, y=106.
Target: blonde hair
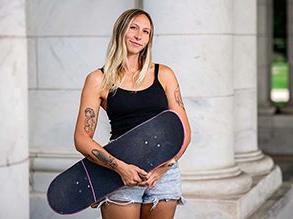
x=117, y=52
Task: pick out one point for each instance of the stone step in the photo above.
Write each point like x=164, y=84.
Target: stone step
x=278, y=206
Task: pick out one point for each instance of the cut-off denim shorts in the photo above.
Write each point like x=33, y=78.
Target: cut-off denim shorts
x=167, y=188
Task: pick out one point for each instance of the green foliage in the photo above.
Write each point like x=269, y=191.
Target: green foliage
x=280, y=74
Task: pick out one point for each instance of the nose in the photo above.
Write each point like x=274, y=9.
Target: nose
x=137, y=35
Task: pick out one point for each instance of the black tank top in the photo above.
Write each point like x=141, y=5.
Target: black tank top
x=127, y=109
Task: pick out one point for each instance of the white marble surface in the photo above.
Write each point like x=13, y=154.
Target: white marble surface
x=14, y=199
x=189, y=16
x=13, y=101
x=14, y=190
x=263, y=93
x=221, y=187
x=262, y=53
x=244, y=17
x=262, y=20
x=279, y=205
x=245, y=85
x=52, y=119
x=201, y=63
x=255, y=166
x=263, y=189
x=39, y=209
x=233, y=207
x=244, y=62
x=212, y=135
x=74, y=17
x=12, y=18
x=32, y=63
x=64, y=62
x=245, y=117
x=40, y=180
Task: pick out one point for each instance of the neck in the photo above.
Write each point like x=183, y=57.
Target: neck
x=132, y=63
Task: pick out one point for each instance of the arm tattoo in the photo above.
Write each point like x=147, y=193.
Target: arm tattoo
x=178, y=97
x=90, y=158
x=90, y=122
x=110, y=161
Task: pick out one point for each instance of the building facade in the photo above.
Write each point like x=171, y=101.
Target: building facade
x=220, y=51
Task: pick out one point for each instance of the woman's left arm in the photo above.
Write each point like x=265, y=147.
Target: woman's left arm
x=175, y=102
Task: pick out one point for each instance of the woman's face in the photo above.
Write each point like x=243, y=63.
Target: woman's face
x=138, y=34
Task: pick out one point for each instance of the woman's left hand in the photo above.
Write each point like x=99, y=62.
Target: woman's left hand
x=154, y=175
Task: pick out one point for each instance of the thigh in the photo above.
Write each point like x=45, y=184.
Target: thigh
x=165, y=209
x=116, y=211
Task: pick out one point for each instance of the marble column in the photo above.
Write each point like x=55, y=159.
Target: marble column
x=197, y=45
x=289, y=107
x=248, y=156
x=14, y=189
x=264, y=56
x=67, y=40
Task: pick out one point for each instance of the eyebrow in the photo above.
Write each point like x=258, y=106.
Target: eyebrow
x=142, y=28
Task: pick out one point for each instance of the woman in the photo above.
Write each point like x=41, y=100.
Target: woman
x=132, y=89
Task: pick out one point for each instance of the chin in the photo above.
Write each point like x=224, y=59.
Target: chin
x=134, y=51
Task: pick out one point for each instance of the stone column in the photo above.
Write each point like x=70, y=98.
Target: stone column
x=197, y=45
x=289, y=107
x=67, y=40
x=264, y=56
x=196, y=39
x=14, y=189
x=249, y=157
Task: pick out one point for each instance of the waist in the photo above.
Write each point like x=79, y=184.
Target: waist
x=121, y=125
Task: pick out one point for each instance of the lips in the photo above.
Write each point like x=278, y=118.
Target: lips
x=136, y=44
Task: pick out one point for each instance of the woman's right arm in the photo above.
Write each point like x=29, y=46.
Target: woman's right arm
x=85, y=128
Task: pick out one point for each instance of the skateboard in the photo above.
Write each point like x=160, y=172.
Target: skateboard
x=148, y=146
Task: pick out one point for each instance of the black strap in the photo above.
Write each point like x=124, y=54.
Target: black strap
x=156, y=71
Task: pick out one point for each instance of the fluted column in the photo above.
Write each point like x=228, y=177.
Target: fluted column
x=190, y=38
x=248, y=156
x=14, y=189
x=264, y=56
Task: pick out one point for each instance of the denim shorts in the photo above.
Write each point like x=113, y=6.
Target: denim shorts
x=168, y=187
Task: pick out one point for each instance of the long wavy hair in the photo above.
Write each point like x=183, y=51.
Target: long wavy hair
x=115, y=62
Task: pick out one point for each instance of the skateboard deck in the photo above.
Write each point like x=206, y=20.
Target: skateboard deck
x=148, y=145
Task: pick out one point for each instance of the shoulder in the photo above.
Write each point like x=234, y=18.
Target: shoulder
x=166, y=75
x=94, y=78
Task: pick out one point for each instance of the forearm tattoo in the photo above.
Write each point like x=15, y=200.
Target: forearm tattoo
x=90, y=120
x=109, y=161
x=90, y=158
x=178, y=97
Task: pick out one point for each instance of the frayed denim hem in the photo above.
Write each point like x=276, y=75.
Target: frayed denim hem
x=155, y=201
x=180, y=201
x=107, y=201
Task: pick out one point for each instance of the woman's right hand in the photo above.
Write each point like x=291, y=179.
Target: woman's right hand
x=131, y=175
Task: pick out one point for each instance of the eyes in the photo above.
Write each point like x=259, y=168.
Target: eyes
x=135, y=28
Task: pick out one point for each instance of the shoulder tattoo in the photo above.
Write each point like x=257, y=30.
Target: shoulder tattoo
x=178, y=97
